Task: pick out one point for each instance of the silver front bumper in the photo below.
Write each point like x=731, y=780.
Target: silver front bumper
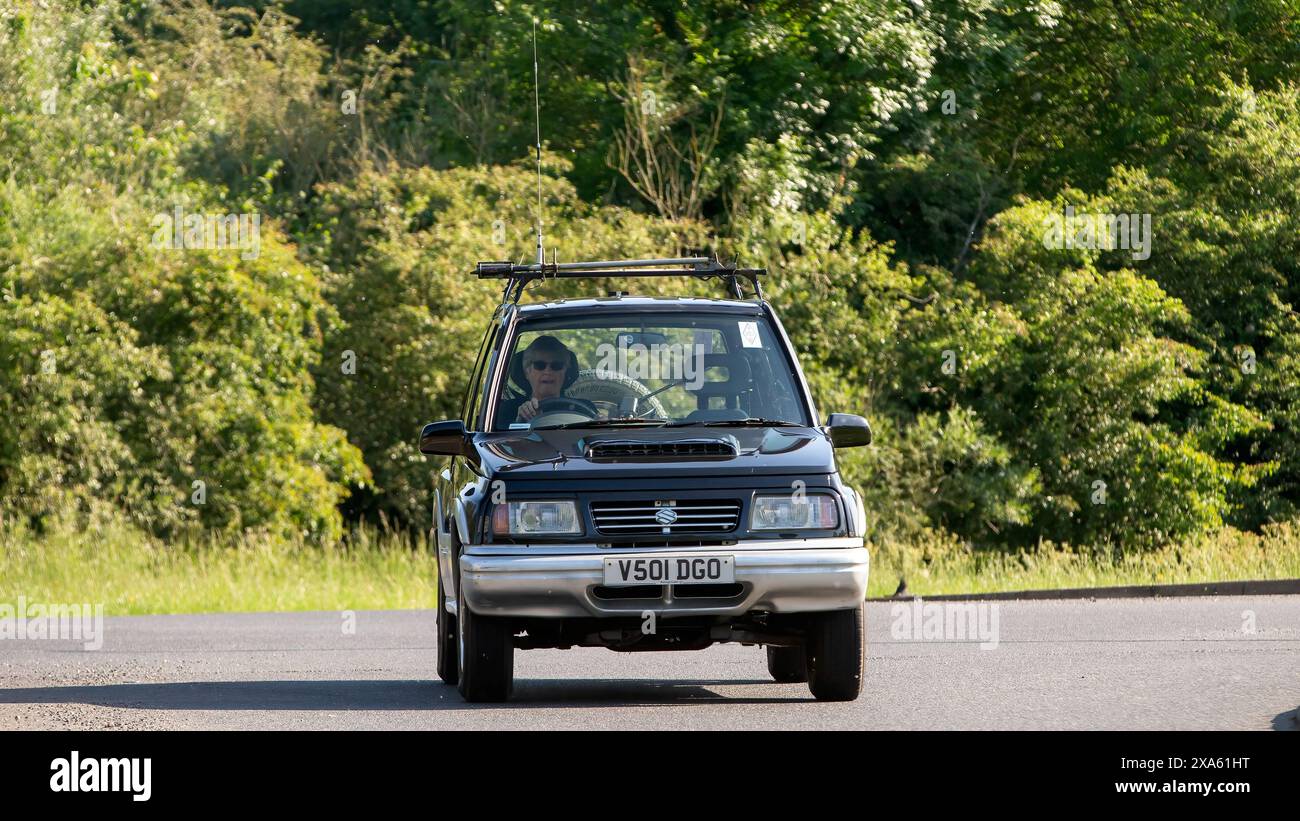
x=789, y=576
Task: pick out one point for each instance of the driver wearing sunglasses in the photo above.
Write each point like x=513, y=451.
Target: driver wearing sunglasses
x=548, y=368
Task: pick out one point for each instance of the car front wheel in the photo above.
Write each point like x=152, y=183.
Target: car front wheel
x=486, y=652
x=837, y=654
x=447, y=650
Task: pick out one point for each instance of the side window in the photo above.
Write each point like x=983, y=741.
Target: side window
x=483, y=380
x=475, y=390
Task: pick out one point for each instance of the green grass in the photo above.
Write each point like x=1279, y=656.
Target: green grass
x=132, y=574
x=939, y=565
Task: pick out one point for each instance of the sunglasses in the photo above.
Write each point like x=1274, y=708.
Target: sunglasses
x=540, y=364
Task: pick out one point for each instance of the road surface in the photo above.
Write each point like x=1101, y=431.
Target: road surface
x=1220, y=663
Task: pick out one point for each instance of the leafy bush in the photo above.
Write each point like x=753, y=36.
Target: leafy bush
x=129, y=371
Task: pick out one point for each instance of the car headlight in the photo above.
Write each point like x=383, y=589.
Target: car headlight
x=794, y=512
x=536, y=518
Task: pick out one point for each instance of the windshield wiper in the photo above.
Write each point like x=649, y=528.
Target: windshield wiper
x=753, y=421
x=601, y=423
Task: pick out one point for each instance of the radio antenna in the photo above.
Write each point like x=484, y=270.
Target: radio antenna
x=537, y=114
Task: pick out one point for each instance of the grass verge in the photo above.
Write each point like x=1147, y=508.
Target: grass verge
x=940, y=564
x=132, y=574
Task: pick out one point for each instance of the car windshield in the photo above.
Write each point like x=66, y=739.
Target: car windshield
x=648, y=369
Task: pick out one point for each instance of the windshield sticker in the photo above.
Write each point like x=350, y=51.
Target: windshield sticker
x=749, y=335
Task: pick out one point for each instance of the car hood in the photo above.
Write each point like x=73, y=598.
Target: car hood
x=758, y=451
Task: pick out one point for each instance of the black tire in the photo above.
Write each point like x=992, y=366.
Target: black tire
x=486, y=655
x=837, y=654
x=787, y=665
x=448, y=669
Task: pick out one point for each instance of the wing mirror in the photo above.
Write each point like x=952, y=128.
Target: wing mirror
x=848, y=430
x=447, y=438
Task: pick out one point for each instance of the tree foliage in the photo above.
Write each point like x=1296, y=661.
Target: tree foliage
x=898, y=166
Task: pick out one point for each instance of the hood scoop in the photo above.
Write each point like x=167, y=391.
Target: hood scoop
x=622, y=450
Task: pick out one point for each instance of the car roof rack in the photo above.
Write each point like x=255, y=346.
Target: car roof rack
x=704, y=267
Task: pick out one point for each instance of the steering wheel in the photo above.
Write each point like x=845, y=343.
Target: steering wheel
x=566, y=404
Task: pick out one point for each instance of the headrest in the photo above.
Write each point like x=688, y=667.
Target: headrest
x=738, y=375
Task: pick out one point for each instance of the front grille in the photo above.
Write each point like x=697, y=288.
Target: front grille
x=666, y=517
x=682, y=449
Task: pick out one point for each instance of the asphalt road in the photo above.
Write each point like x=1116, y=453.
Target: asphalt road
x=1108, y=664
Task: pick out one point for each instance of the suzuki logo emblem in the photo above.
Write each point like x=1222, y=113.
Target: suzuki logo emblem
x=665, y=515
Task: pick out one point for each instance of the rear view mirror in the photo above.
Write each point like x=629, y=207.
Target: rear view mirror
x=447, y=438
x=848, y=430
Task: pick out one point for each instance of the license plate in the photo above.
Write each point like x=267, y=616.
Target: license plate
x=630, y=570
